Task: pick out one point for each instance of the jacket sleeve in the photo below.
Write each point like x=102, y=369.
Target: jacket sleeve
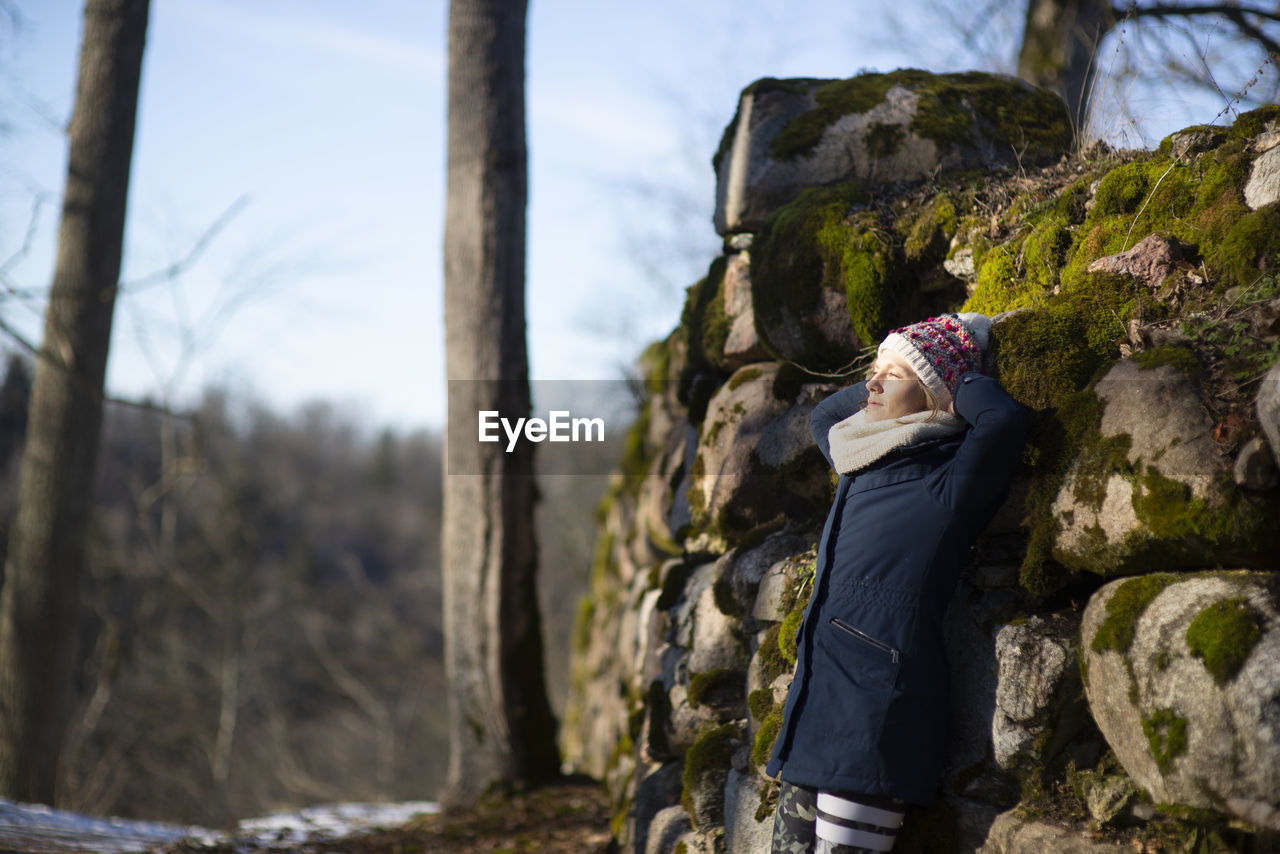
x=980, y=473
x=832, y=411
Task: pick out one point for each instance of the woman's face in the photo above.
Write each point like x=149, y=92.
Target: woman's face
x=893, y=389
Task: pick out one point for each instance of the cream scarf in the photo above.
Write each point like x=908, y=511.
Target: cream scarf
x=857, y=443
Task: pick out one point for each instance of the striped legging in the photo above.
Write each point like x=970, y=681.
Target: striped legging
x=811, y=822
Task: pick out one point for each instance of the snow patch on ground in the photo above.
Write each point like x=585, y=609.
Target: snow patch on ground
x=37, y=829
x=330, y=821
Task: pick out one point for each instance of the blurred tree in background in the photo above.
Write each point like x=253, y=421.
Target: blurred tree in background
x=47, y=540
x=261, y=616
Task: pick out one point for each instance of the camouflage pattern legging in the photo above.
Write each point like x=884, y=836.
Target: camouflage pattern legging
x=795, y=825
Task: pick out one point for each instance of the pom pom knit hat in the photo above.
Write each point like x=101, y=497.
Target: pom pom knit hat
x=942, y=348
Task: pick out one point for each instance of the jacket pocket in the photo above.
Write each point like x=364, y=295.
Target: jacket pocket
x=852, y=685
x=894, y=655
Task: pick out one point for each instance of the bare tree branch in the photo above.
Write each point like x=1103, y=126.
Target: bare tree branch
x=1226, y=10
x=180, y=266
x=1250, y=30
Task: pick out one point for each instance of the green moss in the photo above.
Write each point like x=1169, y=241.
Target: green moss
x=760, y=703
x=1251, y=246
x=1071, y=205
x=719, y=687
x=703, y=318
x=1047, y=353
x=927, y=233
x=726, y=599
x=745, y=375
x=603, y=567
x=766, y=736
x=1223, y=635
x=949, y=106
x=1044, y=252
x=710, y=755
x=883, y=140
x=1100, y=459
x=796, y=593
x=834, y=99
x=660, y=538
x=1000, y=285
x=787, y=632
x=1254, y=122
x=1124, y=188
x=656, y=363
x=711, y=431
x=1034, y=121
x=1124, y=608
x=1179, y=358
x=1186, y=530
x=637, y=453
x=583, y=614
x=772, y=662
x=1166, y=733
x=820, y=243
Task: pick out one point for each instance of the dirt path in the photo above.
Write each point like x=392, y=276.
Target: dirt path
x=570, y=817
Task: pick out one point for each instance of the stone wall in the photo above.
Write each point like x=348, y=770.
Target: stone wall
x=1114, y=640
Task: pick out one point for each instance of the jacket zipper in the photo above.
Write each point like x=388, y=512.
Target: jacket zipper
x=861, y=635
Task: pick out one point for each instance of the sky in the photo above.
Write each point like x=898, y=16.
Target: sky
x=289, y=166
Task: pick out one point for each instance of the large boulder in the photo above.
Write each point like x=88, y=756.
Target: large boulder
x=878, y=128
x=1149, y=488
x=756, y=458
x=1182, y=675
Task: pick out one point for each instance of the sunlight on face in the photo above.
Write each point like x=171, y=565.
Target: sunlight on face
x=893, y=389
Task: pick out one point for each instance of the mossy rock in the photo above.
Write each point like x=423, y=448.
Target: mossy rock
x=706, y=769
x=972, y=110
x=829, y=277
x=1223, y=636
x=789, y=135
x=754, y=459
x=1147, y=491
x=1181, y=673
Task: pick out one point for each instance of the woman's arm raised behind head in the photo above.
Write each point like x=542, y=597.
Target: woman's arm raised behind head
x=832, y=411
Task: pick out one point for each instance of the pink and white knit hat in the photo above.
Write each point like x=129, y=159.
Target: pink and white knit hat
x=942, y=348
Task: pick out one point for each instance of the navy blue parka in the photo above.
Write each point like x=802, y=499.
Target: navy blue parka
x=868, y=709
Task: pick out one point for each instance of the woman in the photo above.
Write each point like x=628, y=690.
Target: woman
x=925, y=449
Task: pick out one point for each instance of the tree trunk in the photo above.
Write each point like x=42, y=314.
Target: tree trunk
x=501, y=726
x=1060, y=39
x=40, y=599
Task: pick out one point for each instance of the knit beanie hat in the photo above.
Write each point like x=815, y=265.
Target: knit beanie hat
x=942, y=348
